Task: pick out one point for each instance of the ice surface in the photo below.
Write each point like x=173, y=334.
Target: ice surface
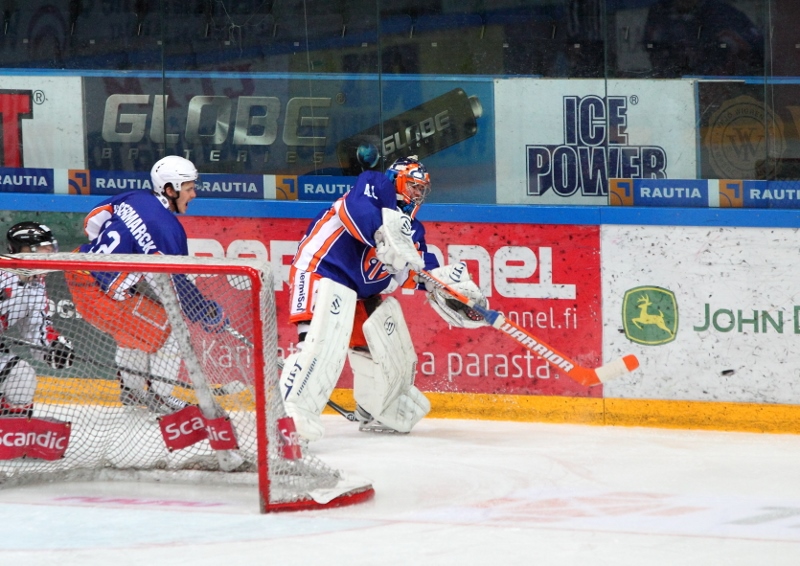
x=452, y=492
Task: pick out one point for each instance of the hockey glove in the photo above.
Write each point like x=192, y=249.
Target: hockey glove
x=61, y=353
x=214, y=320
x=394, y=245
x=452, y=311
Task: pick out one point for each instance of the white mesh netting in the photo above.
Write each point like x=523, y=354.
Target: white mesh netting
x=130, y=369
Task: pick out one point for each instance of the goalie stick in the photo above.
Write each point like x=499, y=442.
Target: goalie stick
x=583, y=375
x=239, y=336
x=230, y=388
x=349, y=415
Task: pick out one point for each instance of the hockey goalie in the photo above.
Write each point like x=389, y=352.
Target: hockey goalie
x=368, y=244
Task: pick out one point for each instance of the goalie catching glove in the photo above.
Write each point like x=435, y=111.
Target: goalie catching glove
x=60, y=354
x=394, y=245
x=452, y=311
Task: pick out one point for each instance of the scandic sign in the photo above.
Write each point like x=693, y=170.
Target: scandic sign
x=188, y=426
x=44, y=439
x=546, y=278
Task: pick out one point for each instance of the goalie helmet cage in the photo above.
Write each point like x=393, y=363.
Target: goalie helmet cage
x=112, y=437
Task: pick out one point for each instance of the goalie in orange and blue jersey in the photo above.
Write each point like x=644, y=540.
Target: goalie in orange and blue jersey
x=143, y=222
x=366, y=245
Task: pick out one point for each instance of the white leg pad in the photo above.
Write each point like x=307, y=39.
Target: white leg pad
x=406, y=411
x=370, y=386
x=309, y=376
x=135, y=360
x=20, y=384
x=379, y=395
x=166, y=362
x=384, y=379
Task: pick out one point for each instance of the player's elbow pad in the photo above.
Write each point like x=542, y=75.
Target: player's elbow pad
x=214, y=319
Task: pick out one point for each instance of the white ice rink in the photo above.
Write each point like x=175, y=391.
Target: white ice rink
x=452, y=492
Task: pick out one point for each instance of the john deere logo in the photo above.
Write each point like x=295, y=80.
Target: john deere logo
x=650, y=315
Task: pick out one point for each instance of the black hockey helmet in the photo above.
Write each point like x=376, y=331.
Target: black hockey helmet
x=31, y=234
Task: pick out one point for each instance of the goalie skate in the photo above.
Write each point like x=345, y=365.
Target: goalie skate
x=366, y=423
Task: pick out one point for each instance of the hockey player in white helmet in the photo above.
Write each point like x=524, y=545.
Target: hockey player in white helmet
x=363, y=247
x=143, y=222
x=23, y=306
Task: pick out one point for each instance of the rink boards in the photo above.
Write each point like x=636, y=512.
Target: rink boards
x=105, y=393
x=710, y=310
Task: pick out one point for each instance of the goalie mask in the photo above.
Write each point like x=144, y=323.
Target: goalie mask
x=412, y=182
x=32, y=235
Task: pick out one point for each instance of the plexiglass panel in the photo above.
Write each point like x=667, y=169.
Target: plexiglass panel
x=291, y=88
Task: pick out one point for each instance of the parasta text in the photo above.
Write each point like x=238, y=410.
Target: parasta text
x=518, y=366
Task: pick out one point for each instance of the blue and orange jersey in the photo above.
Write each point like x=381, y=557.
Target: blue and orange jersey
x=134, y=222
x=340, y=242
x=139, y=222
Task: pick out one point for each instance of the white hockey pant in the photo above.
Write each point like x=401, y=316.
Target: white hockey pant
x=166, y=362
x=309, y=375
x=383, y=379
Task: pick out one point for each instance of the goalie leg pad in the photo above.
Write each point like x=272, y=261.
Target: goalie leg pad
x=135, y=360
x=166, y=362
x=138, y=390
x=371, y=387
x=385, y=388
x=133, y=387
x=309, y=376
x=406, y=411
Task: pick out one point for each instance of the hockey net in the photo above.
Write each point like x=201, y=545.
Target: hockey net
x=86, y=426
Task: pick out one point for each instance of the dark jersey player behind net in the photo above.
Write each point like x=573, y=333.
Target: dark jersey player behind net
x=24, y=308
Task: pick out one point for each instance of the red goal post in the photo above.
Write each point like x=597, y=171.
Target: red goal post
x=164, y=336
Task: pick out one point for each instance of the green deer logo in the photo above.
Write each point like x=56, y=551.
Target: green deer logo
x=650, y=315
x=646, y=318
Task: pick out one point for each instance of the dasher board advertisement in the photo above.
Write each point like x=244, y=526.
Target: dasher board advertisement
x=241, y=125
x=544, y=277
x=560, y=141
x=711, y=313
x=211, y=185
x=42, y=122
